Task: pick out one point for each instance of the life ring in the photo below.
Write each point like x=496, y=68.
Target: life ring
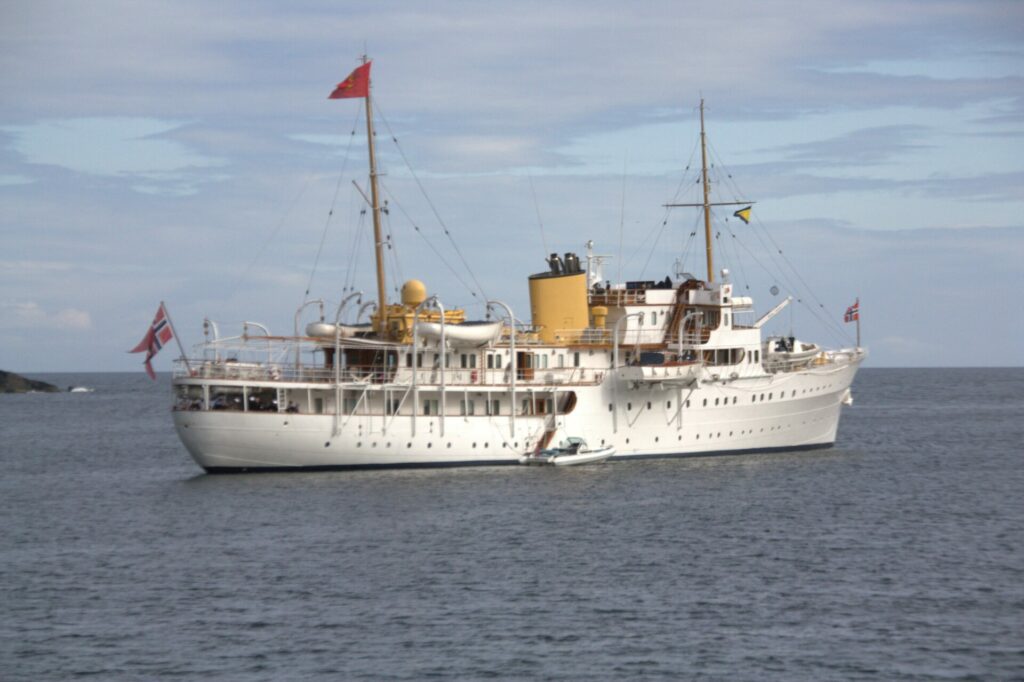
x=472, y=377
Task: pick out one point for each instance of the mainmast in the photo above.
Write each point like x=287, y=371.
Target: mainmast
x=378, y=239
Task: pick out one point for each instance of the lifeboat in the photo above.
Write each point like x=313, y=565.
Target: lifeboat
x=326, y=330
x=466, y=334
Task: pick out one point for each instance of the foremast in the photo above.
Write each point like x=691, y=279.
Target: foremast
x=707, y=203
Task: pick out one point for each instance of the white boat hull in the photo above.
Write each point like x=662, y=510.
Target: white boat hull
x=792, y=411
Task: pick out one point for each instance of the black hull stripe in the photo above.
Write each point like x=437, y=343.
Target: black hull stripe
x=497, y=462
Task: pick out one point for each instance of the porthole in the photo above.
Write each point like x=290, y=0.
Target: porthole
x=485, y=446
x=627, y=441
x=716, y=402
x=327, y=444
x=629, y=406
x=610, y=407
x=359, y=444
x=655, y=439
x=668, y=405
x=408, y=445
x=474, y=445
x=648, y=404
x=734, y=400
x=449, y=446
x=430, y=445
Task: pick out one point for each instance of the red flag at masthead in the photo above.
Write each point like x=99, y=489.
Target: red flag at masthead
x=356, y=85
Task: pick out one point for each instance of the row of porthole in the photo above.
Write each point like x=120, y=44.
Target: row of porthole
x=359, y=444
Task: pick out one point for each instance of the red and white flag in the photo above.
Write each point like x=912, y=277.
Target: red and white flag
x=356, y=85
x=853, y=312
x=160, y=332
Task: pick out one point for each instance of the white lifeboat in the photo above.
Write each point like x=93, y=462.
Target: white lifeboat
x=467, y=334
x=326, y=330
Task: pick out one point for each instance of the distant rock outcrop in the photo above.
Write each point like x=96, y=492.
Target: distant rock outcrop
x=14, y=383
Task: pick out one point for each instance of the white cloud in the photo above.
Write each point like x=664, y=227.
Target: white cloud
x=29, y=315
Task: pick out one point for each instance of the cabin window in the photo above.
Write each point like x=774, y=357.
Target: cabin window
x=419, y=359
x=716, y=402
x=610, y=407
x=493, y=407
x=318, y=405
x=463, y=361
x=576, y=359
x=561, y=360
x=392, y=406
x=543, y=362
x=431, y=406
x=497, y=362
x=629, y=406
x=668, y=405
x=527, y=403
x=467, y=408
x=705, y=402
x=727, y=319
x=654, y=319
x=648, y=405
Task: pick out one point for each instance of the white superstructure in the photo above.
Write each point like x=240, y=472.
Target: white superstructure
x=652, y=369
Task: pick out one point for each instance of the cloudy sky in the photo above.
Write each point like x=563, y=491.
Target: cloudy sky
x=187, y=152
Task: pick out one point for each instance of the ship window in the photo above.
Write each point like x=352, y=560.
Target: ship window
x=467, y=407
x=668, y=405
x=576, y=359
x=463, y=361
x=654, y=319
x=716, y=402
x=494, y=407
x=687, y=403
x=769, y=396
x=430, y=406
x=408, y=359
x=497, y=362
x=629, y=406
x=419, y=359
x=648, y=404
x=610, y=407
x=392, y=406
x=543, y=361
x=705, y=402
x=734, y=400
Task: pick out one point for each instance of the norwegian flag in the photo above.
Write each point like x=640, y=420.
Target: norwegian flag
x=160, y=332
x=853, y=312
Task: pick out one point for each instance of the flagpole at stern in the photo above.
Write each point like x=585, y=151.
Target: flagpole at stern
x=177, y=339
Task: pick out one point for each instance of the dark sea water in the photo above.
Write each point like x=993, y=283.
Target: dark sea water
x=896, y=555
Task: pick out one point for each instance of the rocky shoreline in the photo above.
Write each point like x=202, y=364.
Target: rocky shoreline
x=15, y=383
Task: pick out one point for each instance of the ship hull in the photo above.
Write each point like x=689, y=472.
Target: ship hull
x=794, y=411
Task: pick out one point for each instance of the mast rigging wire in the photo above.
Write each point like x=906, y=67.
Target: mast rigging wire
x=430, y=203
x=334, y=201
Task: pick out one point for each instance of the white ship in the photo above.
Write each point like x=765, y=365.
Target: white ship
x=651, y=369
